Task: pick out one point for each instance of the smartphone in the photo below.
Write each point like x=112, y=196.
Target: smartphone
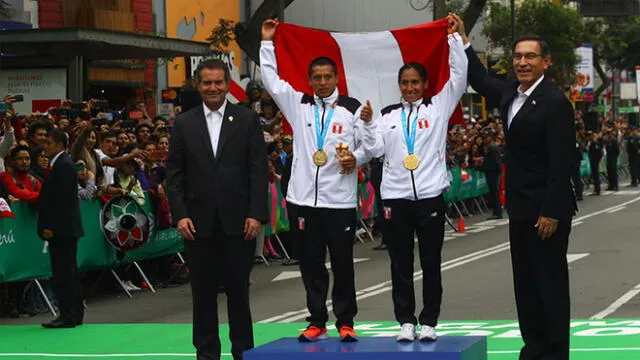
x=101, y=104
x=79, y=166
x=159, y=155
x=129, y=123
x=108, y=116
x=18, y=98
x=77, y=105
x=59, y=112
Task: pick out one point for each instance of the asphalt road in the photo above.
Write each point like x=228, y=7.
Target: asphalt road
x=605, y=268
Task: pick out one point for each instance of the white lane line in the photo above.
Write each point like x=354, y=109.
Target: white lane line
x=479, y=228
x=386, y=286
x=575, y=257
x=497, y=352
x=618, y=303
x=301, y=314
x=576, y=223
x=286, y=275
x=616, y=209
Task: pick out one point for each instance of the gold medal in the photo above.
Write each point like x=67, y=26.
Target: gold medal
x=320, y=158
x=411, y=161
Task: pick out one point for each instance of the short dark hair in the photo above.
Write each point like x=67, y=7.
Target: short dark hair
x=322, y=61
x=110, y=134
x=544, y=47
x=37, y=126
x=17, y=149
x=422, y=71
x=143, y=126
x=212, y=64
x=59, y=137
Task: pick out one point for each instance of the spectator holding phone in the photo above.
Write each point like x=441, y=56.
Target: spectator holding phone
x=8, y=135
x=86, y=181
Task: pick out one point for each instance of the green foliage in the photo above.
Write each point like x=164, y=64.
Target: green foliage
x=5, y=10
x=222, y=35
x=456, y=6
x=559, y=25
x=616, y=40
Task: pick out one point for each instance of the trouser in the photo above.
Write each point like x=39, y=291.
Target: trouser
x=426, y=218
x=612, y=173
x=595, y=175
x=317, y=229
x=577, y=183
x=493, y=182
x=633, y=168
x=66, y=283
x=541, y=282
x=221, y=260
x=376, y=181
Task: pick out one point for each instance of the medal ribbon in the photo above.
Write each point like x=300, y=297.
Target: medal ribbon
x=410, y=139
x=321, y=133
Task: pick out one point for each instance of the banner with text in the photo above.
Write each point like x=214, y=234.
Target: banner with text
x=583, y=89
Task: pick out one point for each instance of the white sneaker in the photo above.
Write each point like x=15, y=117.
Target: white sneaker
x=427, y=333
x=407, y=333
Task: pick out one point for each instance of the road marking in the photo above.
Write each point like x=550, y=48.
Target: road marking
x=575, y=257
x=286, y=275
x=386, y=285
x=497, y=222
x=616, y=209
x=572, y=350
x=479, y=228
x=618, y=303
x=576, y=223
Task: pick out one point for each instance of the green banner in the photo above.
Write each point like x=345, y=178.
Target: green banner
x=465, y=184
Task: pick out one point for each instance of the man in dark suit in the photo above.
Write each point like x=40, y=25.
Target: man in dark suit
x=539, y=158
x=594, y=148
x=60, y=224
x=613, y=150
x=217, y=190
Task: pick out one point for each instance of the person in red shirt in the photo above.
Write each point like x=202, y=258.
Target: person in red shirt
x=17, y=181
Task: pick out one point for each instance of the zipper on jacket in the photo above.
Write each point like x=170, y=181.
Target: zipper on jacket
x=315, y=201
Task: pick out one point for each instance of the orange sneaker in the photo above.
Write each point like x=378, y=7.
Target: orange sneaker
x=347, y=334
x=313, y=333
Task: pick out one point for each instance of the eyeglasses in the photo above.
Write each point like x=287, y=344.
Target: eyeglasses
x=527, y=56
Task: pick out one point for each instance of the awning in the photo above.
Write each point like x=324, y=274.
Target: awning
x=92, y=44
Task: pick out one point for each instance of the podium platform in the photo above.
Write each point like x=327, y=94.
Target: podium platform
x=373, y=348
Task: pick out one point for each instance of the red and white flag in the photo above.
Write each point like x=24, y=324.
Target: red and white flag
x=368, y=63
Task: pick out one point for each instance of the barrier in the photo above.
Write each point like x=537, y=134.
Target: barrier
x=23, y=255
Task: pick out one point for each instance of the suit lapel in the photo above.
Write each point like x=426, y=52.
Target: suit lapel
x=229, y=125
x=203, y=130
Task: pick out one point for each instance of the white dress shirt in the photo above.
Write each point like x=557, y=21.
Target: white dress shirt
x=520, y=99
x=214, y=123
x=53, y=161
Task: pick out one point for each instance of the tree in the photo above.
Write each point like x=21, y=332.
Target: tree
x=559, y=25
x=5, y=10
x=222, y=35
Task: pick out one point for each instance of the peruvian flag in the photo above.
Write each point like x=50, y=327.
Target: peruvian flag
x=368, y=63
x=336, y=129
x=423, y=124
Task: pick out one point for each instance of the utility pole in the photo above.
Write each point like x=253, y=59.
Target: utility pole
x=439, y=9
x=280, y=10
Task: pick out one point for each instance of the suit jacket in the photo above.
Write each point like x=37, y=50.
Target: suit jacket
x=58, y=203
x=491, y=161
x=231, y=185
x=595, y=151
x=539, y=146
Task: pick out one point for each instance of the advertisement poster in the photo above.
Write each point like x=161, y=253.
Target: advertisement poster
x=37, y=86
x=583, y=89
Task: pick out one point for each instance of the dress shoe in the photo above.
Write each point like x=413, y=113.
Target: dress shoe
x=59, y=324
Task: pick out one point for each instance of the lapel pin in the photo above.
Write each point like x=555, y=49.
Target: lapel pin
x=533, y=102
x=230, y=118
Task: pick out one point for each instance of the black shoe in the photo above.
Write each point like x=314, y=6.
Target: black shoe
x=382, y=246
x=59, y=324
x=494, y=217
x=290, y=262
